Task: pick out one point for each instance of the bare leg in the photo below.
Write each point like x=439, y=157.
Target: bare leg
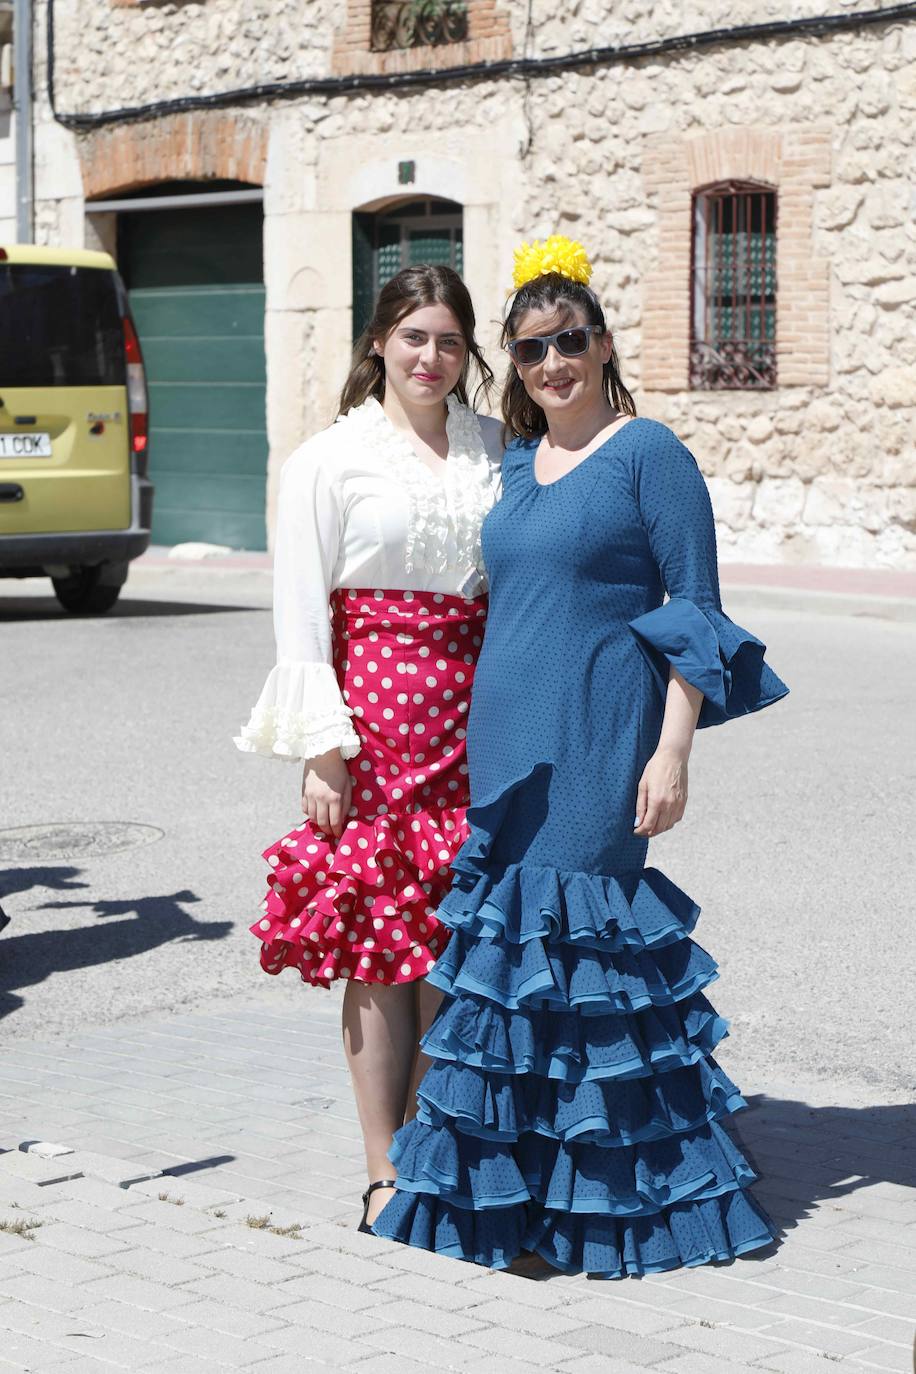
x=380, y=1039
x=429, y=999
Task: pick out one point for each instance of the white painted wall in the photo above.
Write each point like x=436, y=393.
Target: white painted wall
x=7, y=171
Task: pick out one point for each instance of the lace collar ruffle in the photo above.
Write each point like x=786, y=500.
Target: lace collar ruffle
x=469, y=487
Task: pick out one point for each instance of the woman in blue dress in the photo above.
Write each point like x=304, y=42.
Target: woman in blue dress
x=573, y=1107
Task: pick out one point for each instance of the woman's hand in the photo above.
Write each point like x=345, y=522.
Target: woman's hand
x=662, y=795
x=326, y=789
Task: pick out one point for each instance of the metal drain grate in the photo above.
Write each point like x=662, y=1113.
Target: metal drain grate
x=74, y=840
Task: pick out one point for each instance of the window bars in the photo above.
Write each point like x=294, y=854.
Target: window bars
x=733, y=285
x=417, y=23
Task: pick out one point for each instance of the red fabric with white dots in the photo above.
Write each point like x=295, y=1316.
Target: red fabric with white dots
x=364, y=906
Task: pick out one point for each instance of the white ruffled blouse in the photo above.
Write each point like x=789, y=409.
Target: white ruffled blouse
x=359, y=508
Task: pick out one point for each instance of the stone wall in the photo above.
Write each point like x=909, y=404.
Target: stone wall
x=819, y=470
x=153, y=51
x=111, y=55
x=822, y=469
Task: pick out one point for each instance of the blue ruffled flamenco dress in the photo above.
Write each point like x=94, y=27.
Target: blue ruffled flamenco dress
x=574, y=1107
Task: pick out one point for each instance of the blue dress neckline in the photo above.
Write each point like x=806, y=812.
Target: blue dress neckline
x=535, y=440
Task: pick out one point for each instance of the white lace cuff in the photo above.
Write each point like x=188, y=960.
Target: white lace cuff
x=299, y=714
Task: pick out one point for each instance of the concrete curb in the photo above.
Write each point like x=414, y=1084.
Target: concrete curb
x=811, y=602
x=881, y=594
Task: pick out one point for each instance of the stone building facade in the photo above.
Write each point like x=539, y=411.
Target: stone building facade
x=817, y=467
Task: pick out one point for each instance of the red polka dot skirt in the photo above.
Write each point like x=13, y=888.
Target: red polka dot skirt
x=364, y=906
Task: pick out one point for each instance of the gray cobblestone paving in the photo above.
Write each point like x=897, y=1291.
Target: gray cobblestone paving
x=183, y=1129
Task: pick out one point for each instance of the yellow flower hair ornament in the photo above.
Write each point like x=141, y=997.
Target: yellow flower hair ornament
x=556, y=254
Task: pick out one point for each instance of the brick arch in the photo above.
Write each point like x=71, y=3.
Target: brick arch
x=793, y=162
x=196, y=146
x=734, y=155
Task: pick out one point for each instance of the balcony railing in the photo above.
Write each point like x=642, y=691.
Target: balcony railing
x=733, y=365
x=417, y=23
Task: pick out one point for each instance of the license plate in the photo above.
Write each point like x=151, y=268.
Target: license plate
x=25, y=446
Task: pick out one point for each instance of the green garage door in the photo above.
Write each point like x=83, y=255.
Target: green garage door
x=196, y=286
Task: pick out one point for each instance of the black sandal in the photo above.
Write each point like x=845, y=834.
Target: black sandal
x=382, y=1183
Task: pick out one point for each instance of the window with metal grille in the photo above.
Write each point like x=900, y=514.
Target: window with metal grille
x=417, y=23
x=733, y=283
x=414, y=232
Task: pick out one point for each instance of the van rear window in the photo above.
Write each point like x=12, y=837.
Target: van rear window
x=59, y=326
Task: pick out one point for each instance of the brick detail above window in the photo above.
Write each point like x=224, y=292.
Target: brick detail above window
x=796, y=163
x=489, y=40
x=186, y=147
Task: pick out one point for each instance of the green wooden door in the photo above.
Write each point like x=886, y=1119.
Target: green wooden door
x=196, y=287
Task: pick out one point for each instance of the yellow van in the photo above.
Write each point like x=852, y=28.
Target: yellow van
x=75, y=502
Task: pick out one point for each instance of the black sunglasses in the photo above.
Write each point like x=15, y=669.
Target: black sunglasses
x=569, y=342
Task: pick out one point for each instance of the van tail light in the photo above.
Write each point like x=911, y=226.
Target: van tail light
x=137, y=396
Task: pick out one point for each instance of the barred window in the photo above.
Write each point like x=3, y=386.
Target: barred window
x=417, y=23
x=733, y=282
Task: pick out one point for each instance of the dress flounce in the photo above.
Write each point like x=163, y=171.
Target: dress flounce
x=629, y=1180
x=683, y=1235
x=572, y=1047
x=608, y=1111
x=718, y=657
x=604, y=1246
x=521, y=902
x=573, y=1106
x=541, y=973
x=360, y=908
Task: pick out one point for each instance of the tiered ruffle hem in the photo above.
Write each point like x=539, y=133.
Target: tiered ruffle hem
x=574, y=1107
x=364, y=906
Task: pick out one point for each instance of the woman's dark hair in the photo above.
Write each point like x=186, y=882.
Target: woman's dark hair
x=554, y=292
x=411, y=289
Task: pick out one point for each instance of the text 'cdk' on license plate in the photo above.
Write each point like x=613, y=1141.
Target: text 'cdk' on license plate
x=25, y=446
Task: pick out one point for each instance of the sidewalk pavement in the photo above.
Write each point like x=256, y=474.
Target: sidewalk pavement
x=205, y=1220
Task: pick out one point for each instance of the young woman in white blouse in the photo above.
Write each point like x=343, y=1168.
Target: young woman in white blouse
x=379, y=609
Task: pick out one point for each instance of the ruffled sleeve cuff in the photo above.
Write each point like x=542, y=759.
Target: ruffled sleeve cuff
x=713, y=654
x=299, y=714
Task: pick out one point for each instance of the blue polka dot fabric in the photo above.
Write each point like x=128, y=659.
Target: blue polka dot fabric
x=574, y=1106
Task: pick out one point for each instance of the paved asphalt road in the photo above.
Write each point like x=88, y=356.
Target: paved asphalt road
x=798, y=839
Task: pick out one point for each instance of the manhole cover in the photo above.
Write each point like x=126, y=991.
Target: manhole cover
x=78, y=840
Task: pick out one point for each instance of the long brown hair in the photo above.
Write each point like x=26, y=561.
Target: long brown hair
x=411, y=289
x=553, y=292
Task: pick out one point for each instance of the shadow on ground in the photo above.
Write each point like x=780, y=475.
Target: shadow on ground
x=57, y=879
x=807, y=1155
x=148, y=922
x=25, y=608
